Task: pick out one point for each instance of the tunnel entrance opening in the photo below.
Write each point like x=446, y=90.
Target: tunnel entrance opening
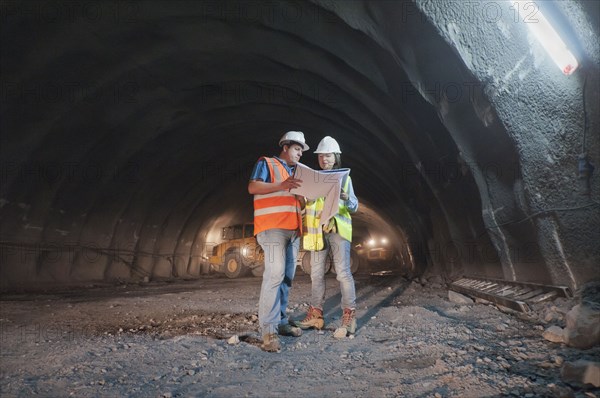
x=382, y=246
x=376, y=246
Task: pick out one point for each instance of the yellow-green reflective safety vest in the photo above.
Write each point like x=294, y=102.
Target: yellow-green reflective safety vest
x=313, y=235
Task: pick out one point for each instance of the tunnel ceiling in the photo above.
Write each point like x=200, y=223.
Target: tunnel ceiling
x=132, y=128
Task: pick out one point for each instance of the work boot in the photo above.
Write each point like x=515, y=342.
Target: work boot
x=289, y=330
x=348, y=324
x=314, y=319
x=271, y=343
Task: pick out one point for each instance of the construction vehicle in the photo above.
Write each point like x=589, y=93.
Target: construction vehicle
x=240, y=254
x=374, y=249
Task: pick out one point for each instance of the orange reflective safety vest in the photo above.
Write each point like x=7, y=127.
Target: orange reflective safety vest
x=279, y=209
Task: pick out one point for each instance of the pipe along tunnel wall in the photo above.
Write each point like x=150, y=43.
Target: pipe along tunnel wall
x=129, y=134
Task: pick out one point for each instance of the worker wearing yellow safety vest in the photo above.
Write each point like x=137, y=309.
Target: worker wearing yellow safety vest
x=334, y=237
x=278, y=228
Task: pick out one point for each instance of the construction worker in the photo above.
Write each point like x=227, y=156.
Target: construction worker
x=278, y=228
x=334, y=237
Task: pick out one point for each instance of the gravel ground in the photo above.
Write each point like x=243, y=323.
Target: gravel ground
x=177, y=339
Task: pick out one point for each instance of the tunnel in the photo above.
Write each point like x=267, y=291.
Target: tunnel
x=129, y=131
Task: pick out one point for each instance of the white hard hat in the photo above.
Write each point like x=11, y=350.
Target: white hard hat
x=295, y=137
x=328, y=145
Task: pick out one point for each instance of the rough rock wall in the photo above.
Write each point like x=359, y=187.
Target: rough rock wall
x=518, y=123
x=459, y=133
x=542, y=114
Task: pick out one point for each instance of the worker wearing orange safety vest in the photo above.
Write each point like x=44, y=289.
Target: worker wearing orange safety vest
x=278, y=228
x=334, y=238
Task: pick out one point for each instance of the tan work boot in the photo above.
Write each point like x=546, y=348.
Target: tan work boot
x=289, y=330
x=348, y=324
x=271, y=343
x=314, y=319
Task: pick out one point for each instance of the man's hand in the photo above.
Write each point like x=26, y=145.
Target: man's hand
x=291, y=183
x=344, y=196
x=258, y=187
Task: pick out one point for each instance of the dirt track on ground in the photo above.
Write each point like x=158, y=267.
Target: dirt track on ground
x=173, y=339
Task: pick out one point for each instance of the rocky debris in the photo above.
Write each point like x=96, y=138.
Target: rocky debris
x=233, y=340
x=552, y=316
x=583, y=327
x=435, y=281
x=458, y=298
x=554, y=334
x=410, y=342
x=581, y=322
x=589, y=295
x=581, y=373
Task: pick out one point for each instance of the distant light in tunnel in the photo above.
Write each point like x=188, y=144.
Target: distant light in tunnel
x=371, y=242
x=530, y=13
x=384, y=241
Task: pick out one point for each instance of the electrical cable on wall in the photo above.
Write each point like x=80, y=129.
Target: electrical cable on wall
x=544, y=211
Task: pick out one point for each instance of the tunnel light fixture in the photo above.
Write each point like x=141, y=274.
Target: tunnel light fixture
x=543, y=31
x=371, y=242
x=384, y=241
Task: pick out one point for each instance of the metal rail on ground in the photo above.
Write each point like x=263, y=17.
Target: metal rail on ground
x=517, y=296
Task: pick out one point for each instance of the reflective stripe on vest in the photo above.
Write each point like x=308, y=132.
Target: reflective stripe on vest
x=313, y=236
x=277, y=209
x=343, y=219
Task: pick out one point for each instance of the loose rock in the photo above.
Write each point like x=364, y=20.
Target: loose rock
x=583, y=327
x=581, y=373
x=554, y=334
x=458, y=298
x=233, y=340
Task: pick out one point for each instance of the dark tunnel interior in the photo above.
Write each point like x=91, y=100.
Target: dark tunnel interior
x=128, y=133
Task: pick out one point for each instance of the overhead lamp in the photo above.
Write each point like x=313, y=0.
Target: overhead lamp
x=543, y=31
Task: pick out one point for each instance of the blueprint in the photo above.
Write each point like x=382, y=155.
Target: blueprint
x=321, y=183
